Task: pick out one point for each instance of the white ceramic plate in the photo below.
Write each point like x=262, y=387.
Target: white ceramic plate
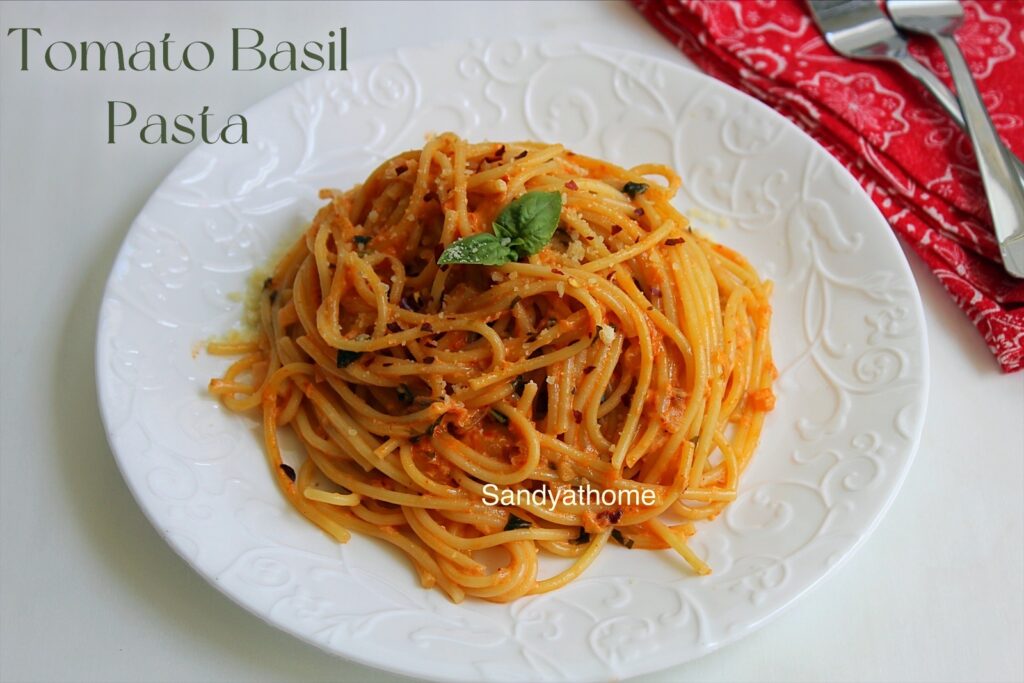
x=848, y=336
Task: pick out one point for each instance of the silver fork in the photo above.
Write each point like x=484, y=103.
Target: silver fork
x=860, y=29
x=940, y=19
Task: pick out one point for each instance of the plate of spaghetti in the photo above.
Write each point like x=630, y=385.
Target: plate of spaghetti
x=588, y=386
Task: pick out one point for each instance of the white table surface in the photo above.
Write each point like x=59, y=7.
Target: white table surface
x=90, y=592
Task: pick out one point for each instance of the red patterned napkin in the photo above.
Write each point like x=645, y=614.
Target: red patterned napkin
x=908, y=155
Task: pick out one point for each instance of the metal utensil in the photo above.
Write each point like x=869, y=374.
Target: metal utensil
x=940, y=19
x=859, y=29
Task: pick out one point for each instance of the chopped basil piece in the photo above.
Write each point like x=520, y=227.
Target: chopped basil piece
x=430, y=430
x=288, y=471
x=633, y=189
x=617, y=536
x=404, y=394
x=516, y=523
x=498, y=417
x=345, y=358
x=584, y=537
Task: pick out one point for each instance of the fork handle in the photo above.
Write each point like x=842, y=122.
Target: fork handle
x=948, y=101
x=1004, y=189
x=935, y=86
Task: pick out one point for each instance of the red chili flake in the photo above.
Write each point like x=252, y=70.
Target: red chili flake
x=616, y=229
x=427, y=327
x=288, y=471
x=674, y=241
x=615, y=516
x=650, y=308
x=572, y=185
x=401, y=169
x=386, y=364
x=577, y=416
x=638, y=212
x=522, y=154
x=557, y=271
x=428, y=359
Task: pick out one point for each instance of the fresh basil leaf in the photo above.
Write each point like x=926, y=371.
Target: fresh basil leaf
x=633, y=189
x=521, y=229
x=484, y=250
x=530, y=221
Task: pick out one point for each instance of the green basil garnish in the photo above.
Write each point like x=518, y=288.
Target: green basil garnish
x=483, y=250
x=633, y=189
x=617, y=535
x=522, y=228
x=516, y=523
x=584, y=537
x=345, y=358
x=530, y=221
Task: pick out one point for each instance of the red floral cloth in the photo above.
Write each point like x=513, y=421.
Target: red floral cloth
x=908, y=155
